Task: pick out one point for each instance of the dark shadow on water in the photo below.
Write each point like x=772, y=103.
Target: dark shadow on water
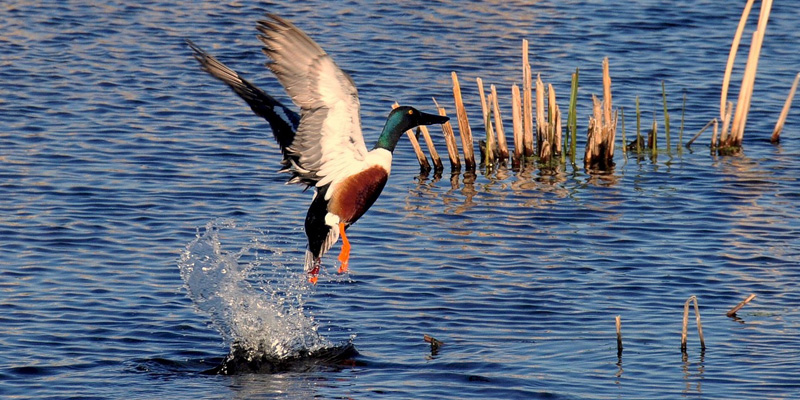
x=241, y=361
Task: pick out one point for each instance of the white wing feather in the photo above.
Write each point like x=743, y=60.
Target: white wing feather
x=329, y=139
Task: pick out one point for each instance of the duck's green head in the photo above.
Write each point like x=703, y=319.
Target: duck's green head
x=402, y=119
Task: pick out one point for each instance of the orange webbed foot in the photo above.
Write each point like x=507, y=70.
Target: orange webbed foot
x=344, y=255
x=313, y=274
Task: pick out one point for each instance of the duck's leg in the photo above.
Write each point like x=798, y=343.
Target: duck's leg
x=313, y=275
x=344, y=255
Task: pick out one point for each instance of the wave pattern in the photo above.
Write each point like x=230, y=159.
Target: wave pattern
x=115, y=149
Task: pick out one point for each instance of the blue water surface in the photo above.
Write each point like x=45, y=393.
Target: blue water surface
x=124, y=168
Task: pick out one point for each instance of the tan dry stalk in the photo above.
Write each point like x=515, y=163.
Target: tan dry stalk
x=746, y=91
x=463, y=125
x=450, y=140
x=502, y=146
x=487, y=123
x=516, y=119
x=776, y=133
x=527, y=102
x=726, y=80
x=423, y=161
x=739, y=306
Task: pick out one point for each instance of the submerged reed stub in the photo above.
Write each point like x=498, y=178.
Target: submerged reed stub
x=732, y=312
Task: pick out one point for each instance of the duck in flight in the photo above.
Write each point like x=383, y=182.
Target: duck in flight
x=322, y=146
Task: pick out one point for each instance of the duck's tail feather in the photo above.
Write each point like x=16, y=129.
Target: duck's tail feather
x=283, y=126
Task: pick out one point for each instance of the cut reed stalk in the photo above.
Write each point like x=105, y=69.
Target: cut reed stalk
x=517, y=124
x=739, y=306
x=776, y=133
x=726, y=123
x=527, y=102
x=699, y=325
x=463, y=126
x=666, y=115
x=423, y=161
x=714, y=136
x=706, y=126
x=593, y=138
x=686, y=323
x=487, y=125
x=618, y=323
x=450, y=140
x=541, y=122
x=555, y=118
x=424, y=165
x=607, y=97
x=602, y=128
x=502, y=146
x=437, y=161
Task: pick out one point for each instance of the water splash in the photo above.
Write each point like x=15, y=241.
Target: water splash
x=263, y=321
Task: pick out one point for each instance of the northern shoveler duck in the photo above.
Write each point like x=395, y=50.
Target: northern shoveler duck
x=322, y=146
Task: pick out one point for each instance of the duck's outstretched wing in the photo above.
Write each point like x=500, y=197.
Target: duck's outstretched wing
x=284, y=122
x=328, y=140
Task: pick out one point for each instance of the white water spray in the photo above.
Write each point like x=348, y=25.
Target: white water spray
x=268, y=320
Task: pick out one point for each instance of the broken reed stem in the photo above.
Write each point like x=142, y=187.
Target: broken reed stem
x=686, y=323
x=593, y=139
x=666, y=114
x=607, y=97
x=609, y=124
x=502, y=146
x=423, y=161
x=618, y=321
x=739, y=306
x=726, y=80
x=602, y=128
x=463, y=125
x=527, y=102
x=699, y=325
x=714, y=136
x=487, y=124
x=712, y=122
x=435, y=343
x=541, y=123
x=516, y=119
x=555, y=118
x=450, y=140
x=437, y=161
x=746, y=90
x=776, y=133
x=726, y=123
